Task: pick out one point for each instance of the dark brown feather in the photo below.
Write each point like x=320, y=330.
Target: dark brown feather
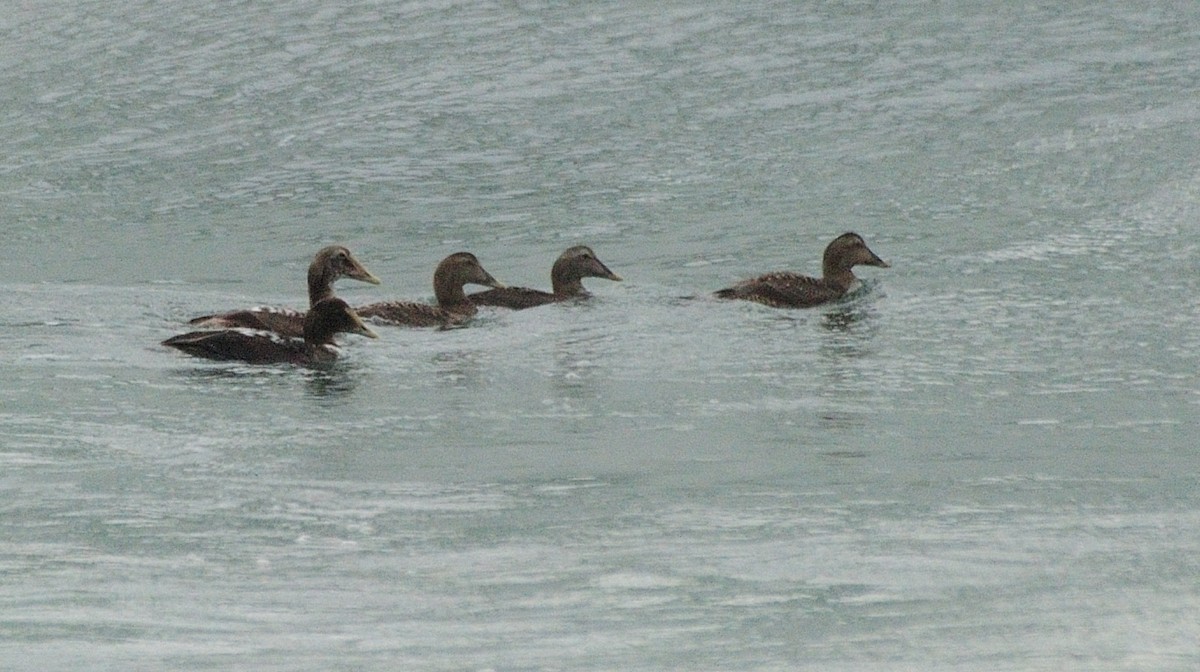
x=566, y=276
x=453, y=307
x=516, y=298
x=793, y=290
x=413, y=314
x=326, y=319
x=328, y=265
x=283, y=321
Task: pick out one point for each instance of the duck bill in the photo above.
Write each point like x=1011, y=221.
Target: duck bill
x=484, y=278
x=876, y=261
x=362, y=329
x=602, y=271
x=360, y=273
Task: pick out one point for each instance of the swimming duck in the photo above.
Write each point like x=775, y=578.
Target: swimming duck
x=326, y=318
x=792, y=290
x=566, y=278
x=329, y=264
x=453, y=307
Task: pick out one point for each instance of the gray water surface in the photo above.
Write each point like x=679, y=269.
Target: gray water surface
x=984, y=459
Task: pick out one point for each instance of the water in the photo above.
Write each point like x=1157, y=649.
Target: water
x=986, y=459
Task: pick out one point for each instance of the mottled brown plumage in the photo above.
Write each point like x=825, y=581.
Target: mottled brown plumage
x=329, y=264
x=324, y=320
x=566, y=277
x=792, y=290
x=453, y=307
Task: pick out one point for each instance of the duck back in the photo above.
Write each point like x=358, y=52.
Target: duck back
x=413, y=314
x=253, y=347
x=784, y=290
x=283, y=321
x=516, y=298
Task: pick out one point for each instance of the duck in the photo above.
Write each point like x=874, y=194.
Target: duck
x=328, y=265
x=259, y=346
x=453, y=307
x=785, y=289
x=566, y=281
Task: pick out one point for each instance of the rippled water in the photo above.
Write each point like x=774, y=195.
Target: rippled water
x=984, y=459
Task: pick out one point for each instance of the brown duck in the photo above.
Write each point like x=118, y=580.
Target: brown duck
x=329, y=264
x=566, y=277
x=792, y=290
x=453, y=307
x=324, y=320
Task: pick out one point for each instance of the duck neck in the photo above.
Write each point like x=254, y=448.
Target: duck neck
x=320, y=285
x=835, y=274
x=449, y=292
x=564, y=282
x=317, y=331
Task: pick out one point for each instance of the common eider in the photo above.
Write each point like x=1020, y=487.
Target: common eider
x=566, y=277
x=323, y=321
x=453, y=307
x=329, y=264
x=792, y=290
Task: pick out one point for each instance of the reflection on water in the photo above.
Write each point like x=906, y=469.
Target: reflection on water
x=333, y=383
x=847, y=359
x=576, y=365
x=845, y=454
x=461, y=368
x=206, y=372
x=855, y=310
x=843, y=319
x=747, y=470
x=849, y=331
x=328, y=383
x=841, y=420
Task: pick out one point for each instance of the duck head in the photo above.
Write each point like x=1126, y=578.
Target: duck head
x=575, y=264
x=331, y=263
x=847, y=251
x=456, y=270
x=333, y=316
